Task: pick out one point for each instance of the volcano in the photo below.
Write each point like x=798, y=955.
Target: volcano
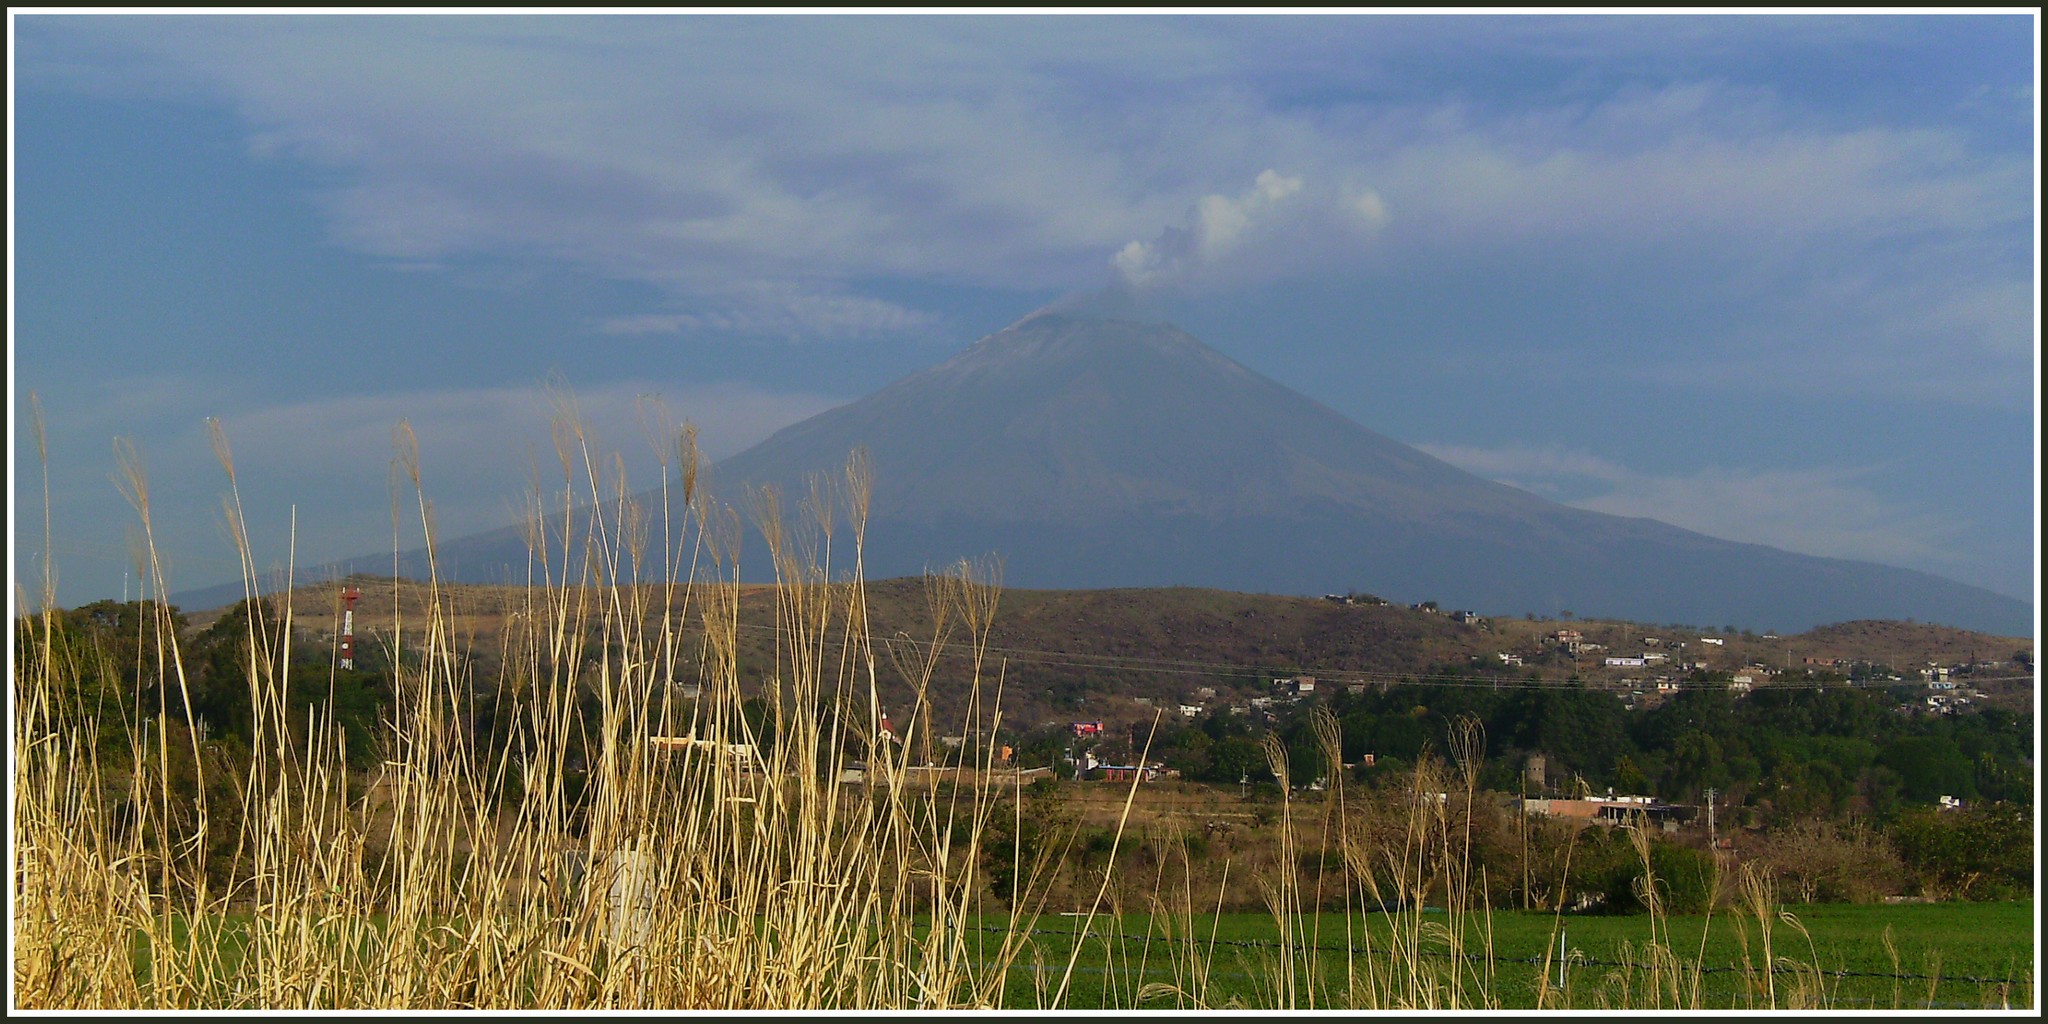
x=1094, y=453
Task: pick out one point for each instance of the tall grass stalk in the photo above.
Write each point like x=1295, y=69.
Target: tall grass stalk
x=622, y=809
x=612, y=846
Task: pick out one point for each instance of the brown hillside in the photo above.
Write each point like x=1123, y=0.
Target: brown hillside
x=1909, y=645
x=1100, y=654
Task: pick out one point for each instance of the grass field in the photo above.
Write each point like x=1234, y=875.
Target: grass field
x=1942, y=956
x=567, y=862
x=1951, y=956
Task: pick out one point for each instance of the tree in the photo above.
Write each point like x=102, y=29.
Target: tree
x=222, y=659
x=1931, y=767
x=1305, y=761
x=1188, y=753
x=1882, y=790
x=1977, y=853
x=1819, y=861
x=1237, y=757
x=1686, y=879
x=1042, y=748
x=1694, y=767
x=1627, y=777
x=1579, y=730
x=121, y=653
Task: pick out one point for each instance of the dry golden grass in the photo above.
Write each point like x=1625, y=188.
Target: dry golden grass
x=718, y=871
x=693, y=879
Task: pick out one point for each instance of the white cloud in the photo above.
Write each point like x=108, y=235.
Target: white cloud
x=1529, y=462
x=1820, y=512
x=1772, y=191
x=1816, y=511
x=494, y=427
x=1818, y=247
x=1214, y=226
x=1274, y=228
x=784, y=313
x=702, y=155
x=690, y=152
x=326, y=465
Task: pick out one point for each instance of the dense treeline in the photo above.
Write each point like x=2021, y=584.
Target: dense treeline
x=1835, y=786
x=163, y=698
x=128, y=661
x=1837, y=779
x=1775, y=754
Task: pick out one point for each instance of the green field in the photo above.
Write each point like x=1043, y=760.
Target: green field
x=1947, y=951
x=1952, y=956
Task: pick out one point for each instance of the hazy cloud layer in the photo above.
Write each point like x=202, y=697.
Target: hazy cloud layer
x=330, y=463
x=1276, y=229
x=787, y=314
x=1819, y=511
x=760, y=174
x=1750, y=209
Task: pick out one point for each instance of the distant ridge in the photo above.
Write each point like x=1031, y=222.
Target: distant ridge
x=1096, y=453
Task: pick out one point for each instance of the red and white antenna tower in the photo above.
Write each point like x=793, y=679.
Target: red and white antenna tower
x=348, y=626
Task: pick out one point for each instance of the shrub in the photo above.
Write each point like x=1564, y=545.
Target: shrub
x=1818, y=861
x=1617, y=865
x=1979, y=853
x=1687, y=879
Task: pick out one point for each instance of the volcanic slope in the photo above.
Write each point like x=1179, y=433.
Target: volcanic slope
x=1105, y=453
x=1094, y=453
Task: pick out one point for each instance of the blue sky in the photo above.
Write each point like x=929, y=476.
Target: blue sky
x=1767, y=277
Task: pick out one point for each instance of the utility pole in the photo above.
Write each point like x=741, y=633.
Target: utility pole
x=1525, y=840
x=349, y=596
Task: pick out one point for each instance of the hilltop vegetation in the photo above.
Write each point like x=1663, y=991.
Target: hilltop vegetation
x=1841, y=758
x=218, y=814
x=1090, y=653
